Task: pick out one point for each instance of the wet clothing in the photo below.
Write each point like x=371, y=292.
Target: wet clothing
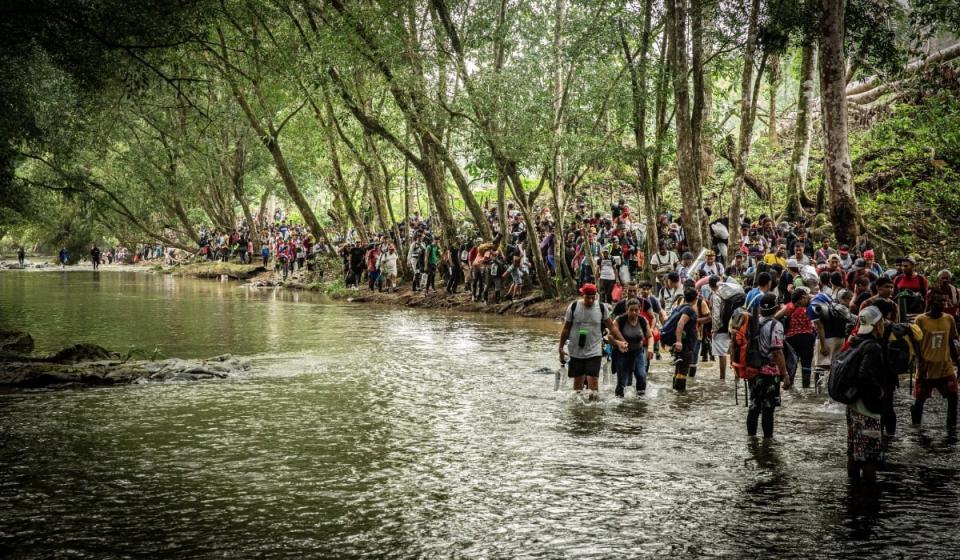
x=938, y=334
x=586, y=324
x=863, y=436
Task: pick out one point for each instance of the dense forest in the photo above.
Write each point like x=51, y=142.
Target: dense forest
x=145, y=122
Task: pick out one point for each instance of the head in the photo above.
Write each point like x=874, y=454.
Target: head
x=763, y=281
x=936, y=304
x=781, y=250
x=646, y=287
x=633, y=309
x=673, y=280
x=714, y=281
x=588, y=293
x=909, y=264
x=801, y=297
x=845, y=297
x=871, y=322
x=944, y=277
x=632, y=290
x=884, y=287
x=798, y=250
x=738, y=259
x=687, y=259
x=768, y=305
x=868, y=257
x=825, y=243
x=711, y=256
x=690, y=295
x=833, y=263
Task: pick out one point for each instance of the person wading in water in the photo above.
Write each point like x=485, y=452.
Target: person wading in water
x=583, y=326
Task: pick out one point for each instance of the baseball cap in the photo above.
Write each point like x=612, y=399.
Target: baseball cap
x=868, y=254
x=588, y=289
x=869, y=318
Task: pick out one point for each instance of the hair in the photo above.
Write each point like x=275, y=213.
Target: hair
x=673, y=277
x=690, y=295
x=797, y=294
x=633, y=302
x=763, y=279
x=632, y=284
x=883, y=281
x=836, y=279
x=825, y=278
x=645, y=284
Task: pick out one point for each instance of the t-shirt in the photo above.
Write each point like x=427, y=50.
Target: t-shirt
x=771, y=338
x=663, y=263
x=690, y=334
x=670, y=298
x=799, y=321
x=634, y=335
x=587, y=319
x=935, y=347
x=607, y=271
x=752, y=300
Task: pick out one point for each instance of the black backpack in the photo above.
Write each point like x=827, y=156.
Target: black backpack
x=844, y=381
x=668, y=332
x=727, y=307
x=900, y=350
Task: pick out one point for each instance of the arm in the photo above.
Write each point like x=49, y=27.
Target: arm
x=679, y=332
x=822, y=337
x=615, y=334
x=564, y=336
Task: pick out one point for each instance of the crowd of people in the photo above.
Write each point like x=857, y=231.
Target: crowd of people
x=852, y=328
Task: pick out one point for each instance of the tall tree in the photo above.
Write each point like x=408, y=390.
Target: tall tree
x=844, y=214
x=802, y=134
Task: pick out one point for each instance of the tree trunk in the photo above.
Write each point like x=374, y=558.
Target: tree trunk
x=547, y=285
x=844, y=214
x=502, y=208
x=746, y=125
x=699, y=119
x=803, y=132
x=687, y=163
x=773, y=82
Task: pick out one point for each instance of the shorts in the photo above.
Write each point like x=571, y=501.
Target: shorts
x=826, y=362
x=863, y=437
x=579, y=367
x=720, y=344
x=946, y=386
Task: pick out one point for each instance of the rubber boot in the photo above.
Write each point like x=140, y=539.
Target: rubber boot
x=692, y=372
x=753, y=414
x=952, y=412
x=916, y=412
x=766, y=420
x=805, y=377
x=679, y=382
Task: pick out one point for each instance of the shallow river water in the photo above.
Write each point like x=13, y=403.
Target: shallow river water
x=393, y=433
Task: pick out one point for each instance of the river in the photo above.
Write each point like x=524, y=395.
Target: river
x=393, y=433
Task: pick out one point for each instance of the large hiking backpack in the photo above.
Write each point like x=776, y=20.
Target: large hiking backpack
x=910, y=303
x=732, y=298
x=745, y=355
x=668, y=332
x=836, y=316
x=901, y=348
x=844, y=381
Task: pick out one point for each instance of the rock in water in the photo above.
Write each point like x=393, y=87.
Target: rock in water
x=83, y=353
x=15, y=342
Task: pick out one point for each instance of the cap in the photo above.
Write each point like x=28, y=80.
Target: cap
x=768, y=302
x=869, y=318
x=588, y=289
x=868, y=254
x=844, y=249
x=687, y=255
x=910, y=259
x=792, y=263
x=859, y=264
x=710, y=253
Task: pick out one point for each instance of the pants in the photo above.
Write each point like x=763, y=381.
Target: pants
x=694, y=358
x=803, y=345
x=606, y=290
x=456, y=276
x=431, y=277
x=684, y=357
x=478, y=285
x=629, y=365
x=494, y=283
x=373, y=277
x=764, y=399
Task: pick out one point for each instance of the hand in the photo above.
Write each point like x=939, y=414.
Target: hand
x=622, y=345
x=786, y=382
x=563, y=354
x=824, y=351
x=678, y=346
x=649, y=355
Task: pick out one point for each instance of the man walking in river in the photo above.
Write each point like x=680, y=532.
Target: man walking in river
x=583, y=326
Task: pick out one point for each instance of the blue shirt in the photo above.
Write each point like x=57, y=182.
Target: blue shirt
x=753, y=299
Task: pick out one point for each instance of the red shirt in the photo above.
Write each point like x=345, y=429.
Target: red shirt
x=800, y=322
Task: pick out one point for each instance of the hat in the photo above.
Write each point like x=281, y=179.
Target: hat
x=869, y=317
x=768, y=301
x=792, y=263
x=868, y=254
x=844, y=249
x=710, y=253
x=859, y=264
x=910, y=259
x=588, y=289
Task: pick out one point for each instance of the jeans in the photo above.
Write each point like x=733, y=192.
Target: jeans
x=694, y=358
x=629, y=365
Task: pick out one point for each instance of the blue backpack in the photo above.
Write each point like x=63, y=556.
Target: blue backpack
x=668, y=332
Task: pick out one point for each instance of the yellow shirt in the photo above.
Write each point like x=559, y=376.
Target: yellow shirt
x=772, y=259
x=938, y=334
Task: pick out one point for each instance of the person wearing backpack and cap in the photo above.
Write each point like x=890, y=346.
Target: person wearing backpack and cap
x=864, y=414
x=936, y=360
x=910, y=289
x=765, y=386
x=582, y=337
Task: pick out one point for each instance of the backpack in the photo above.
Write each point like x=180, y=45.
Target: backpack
x=900, y=348
x=668, y=332
x=603, y=314
x=644, y=326
x=745, y=355
x=844, y=380
x=835, y=315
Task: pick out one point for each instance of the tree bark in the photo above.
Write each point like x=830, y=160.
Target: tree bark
x=687, y=165
x=802, y=135
x=844, y=214
x=746, y=125
x=773, y=82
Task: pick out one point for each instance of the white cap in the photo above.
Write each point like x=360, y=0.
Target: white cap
x=869, y=317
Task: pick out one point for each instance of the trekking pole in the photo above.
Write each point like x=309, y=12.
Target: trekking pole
x=736, y=389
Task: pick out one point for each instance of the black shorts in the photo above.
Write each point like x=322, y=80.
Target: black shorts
x=584, y=366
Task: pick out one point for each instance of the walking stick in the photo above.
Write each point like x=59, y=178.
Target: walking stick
x=736, y=389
